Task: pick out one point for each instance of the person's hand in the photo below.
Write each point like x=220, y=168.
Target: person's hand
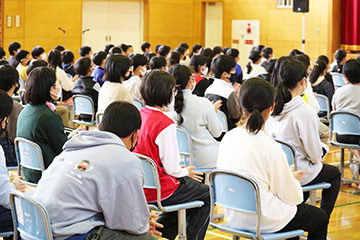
x=299, y=175
x=20, y=186
x=217, y=105
x=154, y=225
x=194, y=175
x=73, y=133
x=75, y=78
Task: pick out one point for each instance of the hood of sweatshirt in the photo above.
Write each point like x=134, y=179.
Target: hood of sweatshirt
x=94, y=138
x=289, y=106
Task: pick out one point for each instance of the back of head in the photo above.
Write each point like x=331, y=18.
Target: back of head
x=54, y=59
x=108, y=47
x=157, y=62
x=195, y=49
x=266, y=52
x=304, y=59
x=164, y=50
x=123, y=48
x=275, y=78
x=38, y=85
x=34, y=64
x=233, y=52
x=121, y=118
x=184, y=45
x=269, y=65
x=2, y=53
x=254, y=56
x=6, y=105
x=3, y=62
x=318, y=68
x=221, y=64
x=217, y=50
x=323, y=58
x=67, y=57
x=255, y=96
x=14, y=46
x=98, y=57
x=116, y=67
x=291, y=72
x=207, y=52
x=295, y=52
x=340, y=54
x=196, y=61
x=258, y=48
x=173, y=58
x=84, y=50
x=21, y=54
x=115, y=51
x=352, y=71
x=157, y=48
x=82, y=66
x=225, y=49
x=37, y=51
x=138, y=60
x=9, y=76
x=181, y=50
x=60, y=48
x=157, y=88
x=144, y=46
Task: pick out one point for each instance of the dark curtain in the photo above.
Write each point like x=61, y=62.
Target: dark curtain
x=350, y=25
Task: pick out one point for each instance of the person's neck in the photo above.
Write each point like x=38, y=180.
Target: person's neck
x=162, y=109
x=295, y=92
x=196, y=74
x=225, y=79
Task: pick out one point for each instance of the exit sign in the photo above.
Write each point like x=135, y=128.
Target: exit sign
x=249, y=42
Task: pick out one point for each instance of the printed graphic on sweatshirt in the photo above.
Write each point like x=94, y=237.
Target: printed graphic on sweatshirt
x=83, y=166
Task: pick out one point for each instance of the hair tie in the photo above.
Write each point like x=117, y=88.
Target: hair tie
x=317, y=64
x=177, y=85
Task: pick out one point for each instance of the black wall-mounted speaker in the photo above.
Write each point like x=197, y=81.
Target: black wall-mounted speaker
x=301, y=6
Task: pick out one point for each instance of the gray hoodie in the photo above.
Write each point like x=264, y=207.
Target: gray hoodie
x=298, y=124
x=95, y=181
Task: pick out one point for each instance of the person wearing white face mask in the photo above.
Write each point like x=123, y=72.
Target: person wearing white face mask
x=38, y=53
x=200, y=72
x=138, y=63
x=37, y=122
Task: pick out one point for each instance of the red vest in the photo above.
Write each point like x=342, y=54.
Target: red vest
x=153, y=122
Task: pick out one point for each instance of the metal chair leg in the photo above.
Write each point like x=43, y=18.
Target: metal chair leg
x=312, y=194
x=182, y=224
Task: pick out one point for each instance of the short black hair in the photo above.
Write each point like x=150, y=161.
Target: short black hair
x=116, y=67
x=138, y=60
x=157, y=48
x=225, y=49
x=207, y=52
x=295, y=52
x=115, y=51
x=84, y=50
x=233, y=52
x=9, y=76
x=3, y=62
x=340, y=54
x=351, y=70
x=173, y=58
x=67, y=57
x=144, y=46
x=14, y=46
x=196, y=61
x=34, y=64
x=157, y=62
x=304, y=59
x=181, y=50
x=164, y=50
x=266, y=51
x=221, y=64
x=54, y=59
x=157, y=88
x=82, y=66
x=6, y=105
x=123, y=47
x=121, y=118
x=217, y=50
x=108, y=47
x=21, y=54
x=149, y=56
x=184, y=45
x=38, y=85
x=98, y=57
x=2, y=53
x=323, y=58
x=60, y=48
x=37, y=51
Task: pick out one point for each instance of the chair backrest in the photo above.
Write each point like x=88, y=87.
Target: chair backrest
x=338, y=79
x=222, y=117
x=324, y=104
x=69, y=76
x=30, y=217
x=28, y=154
x=290, y=152
x=83, y=105
x=344, y=123
x=138, y=104
x=185, y=146
x=99, y=116
x=234, y=191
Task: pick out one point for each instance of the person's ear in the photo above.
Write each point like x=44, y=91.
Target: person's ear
x=136, y=135
x=346, y=79
x=99, y=125
x=272, y=107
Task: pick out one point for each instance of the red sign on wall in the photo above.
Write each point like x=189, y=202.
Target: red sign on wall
x=235, y=41
x=249, y=42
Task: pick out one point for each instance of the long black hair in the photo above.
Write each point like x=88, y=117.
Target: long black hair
x=318, y=69
x=254, y=56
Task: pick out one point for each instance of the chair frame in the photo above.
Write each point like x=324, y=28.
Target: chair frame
x=342, y=146
x=136, y=100
x=224, y=122
x=181, y=210
x=74, y=120
x=45, y=216
x=98, y=115
x=335, y=75
x=325, y=119
x=232, y=231
x=189, y=140
x=18, y=157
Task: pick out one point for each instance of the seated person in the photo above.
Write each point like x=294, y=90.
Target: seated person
x=138, y=63
x=85, y=85
x=14, y=47
x=6, y=223
x=23, y=57
x=340, y=59
x=38, y=52
x=157, y=140
x=99, y=59
x=85, y=51
x=247, y=150
x=9, y=82
x=253, y=68
x=223, y=66
x=37, y=122
x=157, y=62
x=269, y=66
x=198, y=63
x=113, y=206
x=68, y=59
x=237, y=77
x=267, y=54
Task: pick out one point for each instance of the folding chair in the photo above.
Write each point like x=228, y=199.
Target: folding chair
x=138, y=104
x=83, y=105
x=185, y=146
x=99, y=116
x=6, y=234
x=344, y=123
x=222, y=117
x=338, y=79
x=31, y=220
x=324, y=107
x=241, y=193
x=28, y=155
x=290, y=151
x=152, y=181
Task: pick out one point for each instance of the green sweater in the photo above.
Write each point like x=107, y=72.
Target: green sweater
x=38, y=123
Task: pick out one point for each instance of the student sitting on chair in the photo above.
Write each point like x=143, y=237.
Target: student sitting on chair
x=14, y=47
x=23, y=57
x=99, y=59
x=6, y=224
x=95, y=186
x=157, y=140
x=138, y=63
x=198, y=63
x=247, y=150
x=38, y=53
x=68, y=59
x=253, y=68
x=157, y=62
x=85, y=51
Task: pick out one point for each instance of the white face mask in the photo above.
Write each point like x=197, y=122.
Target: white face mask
x=58, y=95
x=170, y=106
x=142, y=71
x=205, y=71
x=43, y=56
x=187, y=52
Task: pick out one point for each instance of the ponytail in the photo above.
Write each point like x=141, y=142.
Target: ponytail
x=282, y=96
x=179, y=104
x=248, y=67
x=319, y=67
x=255, y=121
x=254, y=56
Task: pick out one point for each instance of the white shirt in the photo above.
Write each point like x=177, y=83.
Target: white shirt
x=255, y=71
x=5, y=184
x=133, y=84
x=111, y=92
x=258, y=156
x=65, y=82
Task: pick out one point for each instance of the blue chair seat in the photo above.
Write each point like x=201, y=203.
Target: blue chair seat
x=345, y=145
x=176, y=207
x=226, y=227
x=316, y=186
